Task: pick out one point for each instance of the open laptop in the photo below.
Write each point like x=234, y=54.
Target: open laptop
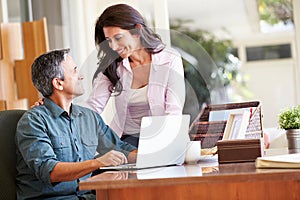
x=162, y=142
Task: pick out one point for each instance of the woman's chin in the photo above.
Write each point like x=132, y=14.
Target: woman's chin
x=124, y=55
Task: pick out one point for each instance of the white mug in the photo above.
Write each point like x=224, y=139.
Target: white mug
x=193, y=152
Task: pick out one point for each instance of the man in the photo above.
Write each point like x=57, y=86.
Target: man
x=56, y=142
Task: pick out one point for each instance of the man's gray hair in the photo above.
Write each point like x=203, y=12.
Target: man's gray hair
x=45, y=68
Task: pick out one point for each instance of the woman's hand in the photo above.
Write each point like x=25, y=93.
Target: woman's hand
x=266, y=140
x=38, y=103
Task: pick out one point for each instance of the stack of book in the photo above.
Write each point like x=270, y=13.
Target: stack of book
x=279, y=161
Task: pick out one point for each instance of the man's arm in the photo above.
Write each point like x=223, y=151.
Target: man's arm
x=67, y=171
x=108, y=140
x=132, y=156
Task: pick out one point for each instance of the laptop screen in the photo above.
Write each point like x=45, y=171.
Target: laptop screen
x=163, y=140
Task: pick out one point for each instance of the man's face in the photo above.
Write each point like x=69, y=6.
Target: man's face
x=72, y=83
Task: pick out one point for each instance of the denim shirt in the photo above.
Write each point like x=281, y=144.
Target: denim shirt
x=46, y=135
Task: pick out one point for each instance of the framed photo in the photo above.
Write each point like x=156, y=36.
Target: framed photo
x=236, y=125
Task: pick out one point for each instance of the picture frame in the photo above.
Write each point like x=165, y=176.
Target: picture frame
x=236, y=125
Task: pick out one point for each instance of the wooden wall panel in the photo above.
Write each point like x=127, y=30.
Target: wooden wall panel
x=21, y=104
x=35, y=39
x=11, y=48
x=2, y=105
x=24, y=83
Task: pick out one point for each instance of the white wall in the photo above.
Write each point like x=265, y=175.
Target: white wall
x=3, y=11
x=272, y=82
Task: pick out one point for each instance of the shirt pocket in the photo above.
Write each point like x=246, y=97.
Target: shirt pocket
x=90, y=145
x=62, y=148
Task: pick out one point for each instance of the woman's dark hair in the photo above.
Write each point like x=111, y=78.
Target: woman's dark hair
x=124, y=17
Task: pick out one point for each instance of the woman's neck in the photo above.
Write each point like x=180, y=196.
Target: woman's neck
x=139, y=57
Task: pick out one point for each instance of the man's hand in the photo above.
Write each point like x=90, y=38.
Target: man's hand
x=111, y=175
x=112, y=158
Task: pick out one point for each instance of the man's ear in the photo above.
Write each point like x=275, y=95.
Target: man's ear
x=57, y=84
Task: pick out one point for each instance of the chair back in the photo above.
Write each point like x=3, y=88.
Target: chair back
x=8, y=125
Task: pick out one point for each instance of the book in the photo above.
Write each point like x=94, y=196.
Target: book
x=279, y=161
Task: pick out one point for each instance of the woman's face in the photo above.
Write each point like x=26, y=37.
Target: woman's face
x=121, y=41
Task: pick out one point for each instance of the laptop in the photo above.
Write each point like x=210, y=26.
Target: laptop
x=162, y=142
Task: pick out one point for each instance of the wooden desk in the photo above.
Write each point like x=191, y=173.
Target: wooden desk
x=227, y=181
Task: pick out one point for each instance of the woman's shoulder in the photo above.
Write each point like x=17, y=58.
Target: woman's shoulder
x=169, y=51
x=167, y=56
x=100, y=76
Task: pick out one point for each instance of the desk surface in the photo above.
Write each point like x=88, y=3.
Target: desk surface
x=206, y=171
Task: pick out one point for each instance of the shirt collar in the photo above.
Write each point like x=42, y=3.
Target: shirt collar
x=126, y=64
x=57, y=110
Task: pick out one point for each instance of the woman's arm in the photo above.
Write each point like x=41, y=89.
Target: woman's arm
x=100, y=94
x=175, y=95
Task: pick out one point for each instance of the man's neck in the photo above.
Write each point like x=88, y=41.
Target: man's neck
x=62, y=102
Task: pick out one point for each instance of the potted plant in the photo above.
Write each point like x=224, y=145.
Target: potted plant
x=289, y=119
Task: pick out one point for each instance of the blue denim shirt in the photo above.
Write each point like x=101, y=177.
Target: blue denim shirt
x=46, y=135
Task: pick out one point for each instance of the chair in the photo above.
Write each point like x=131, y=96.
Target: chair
x=8, y=123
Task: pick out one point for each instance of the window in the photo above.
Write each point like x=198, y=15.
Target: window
x=268, y=52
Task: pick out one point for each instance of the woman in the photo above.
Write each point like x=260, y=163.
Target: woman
x=143, y=76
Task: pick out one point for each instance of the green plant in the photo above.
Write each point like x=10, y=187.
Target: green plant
x=275, y=11
x=211, y=66
x=218, y=50
x=204, y=60
x=290, y=118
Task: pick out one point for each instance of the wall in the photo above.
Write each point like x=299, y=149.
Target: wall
x=272, y=82
x=275, y=83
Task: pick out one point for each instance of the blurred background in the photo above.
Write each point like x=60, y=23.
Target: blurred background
x=233, y=50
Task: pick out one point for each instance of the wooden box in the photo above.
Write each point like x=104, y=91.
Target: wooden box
x=210, y=132
x=243, y=150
